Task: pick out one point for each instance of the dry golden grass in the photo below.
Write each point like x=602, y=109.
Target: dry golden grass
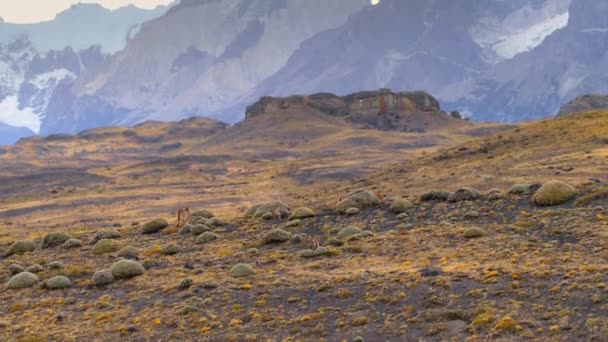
x=535, y=273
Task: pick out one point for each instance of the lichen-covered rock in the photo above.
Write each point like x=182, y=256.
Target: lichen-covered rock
x=334, y=242
x=103, y=277
x=321, y=251
x=352, y=211
x=154, y=226
x=57, y=283
x=474, y=232
x=16, y=269
x=242, y=271
x=294, y=223
x=437, y=195
x=107, y=246
x=360, y=199
x=553, y=193
x=22, y=247
x=348, y=231
x=72, y=243
x=35, y=268
x=272, y=207
x=401, y=206
x=54, y=239
x=276, y=236
x=185, y=230
x=128, y=252
x=206, y=237
x=519, y=189
x=56, y=265
x=105, y=234
x=215, y=222
x=302, y=213
x=307, y=253
x=22, y=280
x=125, y=269
x=171, y=249
x=202, y=213
x=464, y=194
x=198, y=229
x=471, y=215
x=268, y=216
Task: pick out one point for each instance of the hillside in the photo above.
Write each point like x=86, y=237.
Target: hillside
x=475, y=259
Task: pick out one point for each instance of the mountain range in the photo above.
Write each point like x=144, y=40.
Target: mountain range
x=492, y=60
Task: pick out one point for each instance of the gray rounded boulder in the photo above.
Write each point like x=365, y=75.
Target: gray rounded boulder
x=22, y=280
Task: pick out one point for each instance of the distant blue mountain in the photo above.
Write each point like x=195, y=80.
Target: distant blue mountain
x=81, y=26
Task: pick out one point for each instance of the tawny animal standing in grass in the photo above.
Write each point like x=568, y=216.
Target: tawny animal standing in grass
x=315, y=241
x=183, y=217
x=277, y=213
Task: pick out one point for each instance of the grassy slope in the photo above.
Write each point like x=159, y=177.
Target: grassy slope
x=544, y=268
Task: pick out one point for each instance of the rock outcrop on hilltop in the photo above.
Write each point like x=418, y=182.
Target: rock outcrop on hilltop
x=382, y=109
x=584, y=103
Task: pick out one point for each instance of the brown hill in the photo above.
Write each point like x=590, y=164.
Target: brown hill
x=584, y=103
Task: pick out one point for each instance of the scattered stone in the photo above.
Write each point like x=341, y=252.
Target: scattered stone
x=198, y=229
x=495, y=196
x=553, y=193
x=294, y=223
x=128, y=252
x=154, y=226
x=272, y=207
x=402, y=216
x=520, y=189
x=202, y=213
x=360, y=199
x=70, y=301
x=54, y=239
x=215, y=222
x=475, y=232
x=438, y=195
x=103, y=278
x=72, y=243
x=307, y=253
x=268, y=216
x=105, y=234
x=253, y=251
x=365, y=234
x=471, y=215
x=352, y=211
x=125, y=269
x=57, y=283
x=241, y=271
x=206, y=238
x=105, y=246
x=333, y=242
x=22, y=247
x=401, y=206
x=276, y=236
x=187, y=310
x=430, y=272
x=185, y=230
x=171, y=249
x=16, y=269
x=56, y=265
x=464, y=194
x=302, y=213
x=35, y=268
x=185, y=284
x=22, y=280
x=298, y=238
x=321, y=251
x=348, y=232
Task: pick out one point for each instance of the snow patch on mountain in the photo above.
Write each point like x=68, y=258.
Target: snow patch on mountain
x=521, y=30
x=52, y=78
x=12, y=115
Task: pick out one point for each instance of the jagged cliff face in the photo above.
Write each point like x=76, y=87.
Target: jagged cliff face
x=383, y=109
x=176, y=68
x=584, y=104
x=39, y=61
